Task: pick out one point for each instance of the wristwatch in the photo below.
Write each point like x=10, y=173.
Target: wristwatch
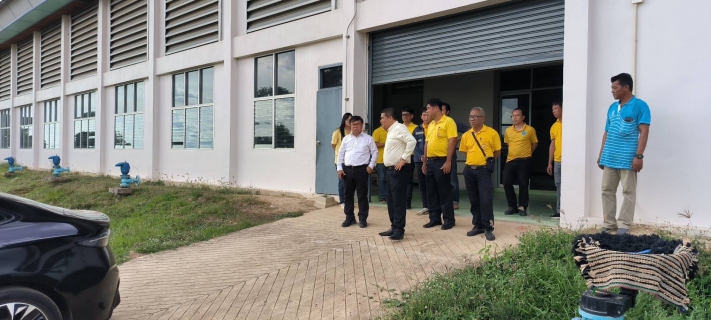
x=639, y=156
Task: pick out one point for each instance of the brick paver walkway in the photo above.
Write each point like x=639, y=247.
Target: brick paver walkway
x=300, y=268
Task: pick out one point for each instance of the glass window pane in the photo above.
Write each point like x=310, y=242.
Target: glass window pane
x=128, y=132
x=331, y=77
x=77, y=107
x=138, y=132
x=208, y=78
x=91, y=133
x=140, y=96
x=179, y=90
x=193, y=88
x=46, y=136
x=120, y=102
x=285, y=73
x=192, y=126
x=86, y=112
x=77, y=134
x=206, y=127
x=546, y=77
x=263, y=127
x=130, y=98
x=284, y=126
x=265, y=77
x=178, y=132
x=515, y=80
x=118, y=129
x=92, y=104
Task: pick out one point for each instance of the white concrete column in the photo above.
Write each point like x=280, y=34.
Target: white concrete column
x=579, y=161
x=230, y=26
x=14, y=120
x=152, y=89
x=66, y=114
x=103, y=137
x=355, y=73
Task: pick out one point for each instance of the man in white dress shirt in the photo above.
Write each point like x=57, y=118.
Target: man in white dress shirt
x=399, y=145
x=356, y=161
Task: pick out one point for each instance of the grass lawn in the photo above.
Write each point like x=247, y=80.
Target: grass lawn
x=157, y=216
x=536, y=280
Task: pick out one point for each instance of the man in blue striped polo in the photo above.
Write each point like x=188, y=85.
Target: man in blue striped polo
x=622, y=153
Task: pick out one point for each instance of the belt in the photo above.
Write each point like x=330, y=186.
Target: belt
x=476, y=167
x=358, y=166
x=520, y=159
x=436, y=158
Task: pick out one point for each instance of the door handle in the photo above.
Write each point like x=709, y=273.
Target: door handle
x=318, y=142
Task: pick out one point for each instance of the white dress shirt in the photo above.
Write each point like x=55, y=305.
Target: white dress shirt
x=399, y=144
x=357, y=151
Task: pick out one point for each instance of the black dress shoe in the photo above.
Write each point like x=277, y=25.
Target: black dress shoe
x=432, y=224
x=348, y=223
x=363, y=223
x=490, y=235
x=474, y=231
x=387, y=233
x=397, y=236
x=448, y=226
x=522, y=211
x=510, y=211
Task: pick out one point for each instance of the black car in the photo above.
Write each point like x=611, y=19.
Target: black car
x=55, y=263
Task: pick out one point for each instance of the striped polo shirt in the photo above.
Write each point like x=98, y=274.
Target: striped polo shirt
x=622, y=129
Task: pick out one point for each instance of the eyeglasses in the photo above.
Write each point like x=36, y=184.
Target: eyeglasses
x=475, y=117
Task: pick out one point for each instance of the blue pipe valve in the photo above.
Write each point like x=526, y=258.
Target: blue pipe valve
x=126, y=180
x=13, y=167
x=56, y=168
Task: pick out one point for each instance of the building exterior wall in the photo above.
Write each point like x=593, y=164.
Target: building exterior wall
x=672, y=76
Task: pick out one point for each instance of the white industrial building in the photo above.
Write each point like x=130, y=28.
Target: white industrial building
x=249, y=92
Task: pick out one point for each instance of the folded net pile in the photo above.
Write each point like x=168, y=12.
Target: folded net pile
x=613, y=261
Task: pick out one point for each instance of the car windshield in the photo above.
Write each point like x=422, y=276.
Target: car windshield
x=80, y=214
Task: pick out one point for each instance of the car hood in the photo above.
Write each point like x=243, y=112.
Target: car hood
x=86, y=215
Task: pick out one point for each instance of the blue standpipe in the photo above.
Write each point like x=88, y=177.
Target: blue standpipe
x=57, y=169
x=126, y=180
x=13, y=167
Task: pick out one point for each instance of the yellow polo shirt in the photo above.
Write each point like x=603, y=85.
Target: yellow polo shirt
x=380, y=135
x=489, y=140
x=336, y=139
x=520, y=141
x=557, y=137
x=411, y=127
x=438, y=135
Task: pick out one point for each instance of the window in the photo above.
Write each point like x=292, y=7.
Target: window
x=84, y=121
x=274, y=100
x=26, y=127
x=5, y=129
x=193, y=109
x=51, y=125
x=330, y=77
x=128, y=122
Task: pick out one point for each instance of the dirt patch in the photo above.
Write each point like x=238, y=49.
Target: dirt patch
x=278, y=205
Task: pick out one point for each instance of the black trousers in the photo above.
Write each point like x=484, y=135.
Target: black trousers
x=481, y=196
x=396, y=195
x=439, y=193
x=356, y=179
x=422, y=183
x=410, y=171
x=517, y=171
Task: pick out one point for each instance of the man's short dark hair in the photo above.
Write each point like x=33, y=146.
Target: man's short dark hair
x=424, y=109
x=519, y=109
x=557, y=103
x=446, y=105
x=408, y=109
x=389, y=112
x=435, y=103
x=356, y=118
x=624, y=79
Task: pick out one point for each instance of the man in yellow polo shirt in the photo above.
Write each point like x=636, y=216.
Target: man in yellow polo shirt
x=480, y=143
x=407, y=114
x=555, y=152
x=380, y=135
x=440, y=141
x=522, y=141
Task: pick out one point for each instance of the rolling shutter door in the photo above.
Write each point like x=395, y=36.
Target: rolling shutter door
x=129, y=32
x=50, y=64
x=267, y=13
x=524, y=32
x=5, y=75
x=190, y=24
x=84, y=43
x=24, y=67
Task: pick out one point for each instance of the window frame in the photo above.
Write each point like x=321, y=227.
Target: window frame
x=320, y=78
x=274, y=97
x=198, y=106
x=88, y=116
x=127, y=113
x=26, y=123
x=53, y=121
x=8, y=117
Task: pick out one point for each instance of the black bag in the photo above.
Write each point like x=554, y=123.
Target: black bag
x=489, y=160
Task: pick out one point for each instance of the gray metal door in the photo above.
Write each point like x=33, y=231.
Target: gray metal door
x=523, y=32
x=328, y=118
